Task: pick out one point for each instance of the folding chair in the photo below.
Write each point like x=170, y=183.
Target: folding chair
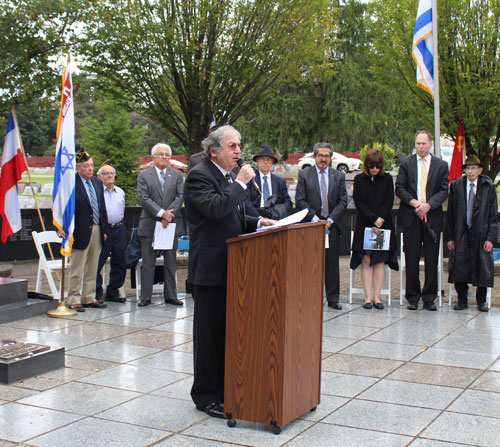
x=157, y=288
x=402, y=270
x=386, y=288
x=44, y=265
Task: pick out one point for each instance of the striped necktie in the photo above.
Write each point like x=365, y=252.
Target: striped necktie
x=93, y=203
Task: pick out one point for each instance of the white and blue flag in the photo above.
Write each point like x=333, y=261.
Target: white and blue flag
x=422, y=46
x=63, y=198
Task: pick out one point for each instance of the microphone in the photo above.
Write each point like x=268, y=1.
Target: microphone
x=241, y=163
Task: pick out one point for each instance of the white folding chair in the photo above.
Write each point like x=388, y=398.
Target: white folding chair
x=44, y=265
x=386, y=288
x=402, y=270
x=453, y=292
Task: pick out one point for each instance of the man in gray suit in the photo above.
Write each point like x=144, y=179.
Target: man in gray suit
x=160, y=191
x=322, y=191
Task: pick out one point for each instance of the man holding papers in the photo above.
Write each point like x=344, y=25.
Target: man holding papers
x=160, y=191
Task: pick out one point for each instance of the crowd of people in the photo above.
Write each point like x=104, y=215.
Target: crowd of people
x=223, y=201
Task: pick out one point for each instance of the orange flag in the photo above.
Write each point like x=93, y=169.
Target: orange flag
x=458, y=158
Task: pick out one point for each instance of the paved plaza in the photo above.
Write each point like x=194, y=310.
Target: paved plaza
x=390, y=377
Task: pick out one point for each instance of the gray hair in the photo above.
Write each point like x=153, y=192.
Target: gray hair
x=322, y=145
x=429, y=135
x=99, y=172
x=160, y=146
x=214, y=140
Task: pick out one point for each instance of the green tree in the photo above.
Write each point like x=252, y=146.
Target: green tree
x=180, y=61
x=110, y=136
x=388, y=152
x=469, y=69
x=33, y=33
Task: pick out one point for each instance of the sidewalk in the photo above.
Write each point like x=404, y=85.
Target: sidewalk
x=389, y=378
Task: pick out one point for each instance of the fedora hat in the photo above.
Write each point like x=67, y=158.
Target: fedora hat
x=472, y=160
x=265, y=151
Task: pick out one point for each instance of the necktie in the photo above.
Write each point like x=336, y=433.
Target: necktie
x=228, y=177
x=162, y=180
x=423, y=181
x=324, y=196
x=265, y=189
x=470, y=205
x=93, y=203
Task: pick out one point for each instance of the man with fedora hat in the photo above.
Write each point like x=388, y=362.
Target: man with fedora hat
x=271, y=186
x=472, y=227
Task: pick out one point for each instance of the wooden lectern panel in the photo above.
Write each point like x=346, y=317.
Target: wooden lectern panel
x=273, y=324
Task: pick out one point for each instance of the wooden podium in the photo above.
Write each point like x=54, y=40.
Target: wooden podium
x=274, y=324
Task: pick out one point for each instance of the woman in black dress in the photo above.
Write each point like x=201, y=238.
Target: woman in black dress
x=373, y=196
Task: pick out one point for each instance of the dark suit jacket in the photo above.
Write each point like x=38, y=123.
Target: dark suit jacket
x=213, y=217
x=278, y=186
x=83, y=213
x=152, y=198
x=308, y=195
x=436, y=191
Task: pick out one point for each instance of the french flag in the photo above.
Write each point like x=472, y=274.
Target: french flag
x=13, y=165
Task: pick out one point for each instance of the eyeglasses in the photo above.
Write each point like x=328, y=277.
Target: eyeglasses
x=325, y=156
x=162, y=154
x=234, y=146
x=374, y=167
x=108, y=173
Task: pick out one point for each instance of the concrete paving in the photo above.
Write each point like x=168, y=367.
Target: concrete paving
x=390, y=377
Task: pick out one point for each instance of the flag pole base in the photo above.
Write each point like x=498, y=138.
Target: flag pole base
x=61, y=311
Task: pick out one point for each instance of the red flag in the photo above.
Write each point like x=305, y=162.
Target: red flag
x=458, y=158
x=13, y=165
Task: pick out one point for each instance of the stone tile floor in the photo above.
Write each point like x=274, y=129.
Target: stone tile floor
x=389, y=378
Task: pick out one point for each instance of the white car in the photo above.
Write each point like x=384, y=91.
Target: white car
x=339, y=162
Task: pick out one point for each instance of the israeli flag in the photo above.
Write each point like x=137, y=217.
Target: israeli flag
x=422, y=47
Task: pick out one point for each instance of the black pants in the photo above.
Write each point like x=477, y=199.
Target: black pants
x=115, y=246
x=414, y=237
x=209, y=339
x=332, y=276
x=462, y=290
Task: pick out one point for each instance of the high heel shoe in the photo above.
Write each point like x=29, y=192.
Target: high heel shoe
x=367, y=306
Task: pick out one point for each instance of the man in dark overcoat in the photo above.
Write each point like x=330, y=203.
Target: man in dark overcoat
x=472, y=227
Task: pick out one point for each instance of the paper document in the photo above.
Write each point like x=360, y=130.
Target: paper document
x=164, y=237
x=292, y=219
x=376, y=241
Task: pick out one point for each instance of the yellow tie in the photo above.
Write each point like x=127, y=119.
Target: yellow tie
x=423, y=181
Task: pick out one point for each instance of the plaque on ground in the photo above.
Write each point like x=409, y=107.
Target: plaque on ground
x=10, y=349
x=19, y=360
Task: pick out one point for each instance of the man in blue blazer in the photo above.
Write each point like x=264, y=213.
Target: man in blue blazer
x=422, y=186
x=91, y=228
x=322, y=191
x=276, y=186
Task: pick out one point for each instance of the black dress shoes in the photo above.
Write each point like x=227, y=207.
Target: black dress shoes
x=430, y=307
x=367, y=306
x=215, y=410
x=116, y=299
x=335, y=306
x=412, y=307
x=143, y=303
x=174, y=301
x=483, y=308
x=460, y=307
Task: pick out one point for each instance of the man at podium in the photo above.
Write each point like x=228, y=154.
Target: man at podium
x=214, y=198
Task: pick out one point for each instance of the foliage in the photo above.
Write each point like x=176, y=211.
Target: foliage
x=110, y=136
x=183, y=60
x=469, y=68
x=33, y=33
x=388, y=152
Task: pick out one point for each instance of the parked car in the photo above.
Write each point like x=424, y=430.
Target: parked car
x=339, y=162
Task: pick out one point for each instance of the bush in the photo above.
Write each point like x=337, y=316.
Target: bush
x=388, y=152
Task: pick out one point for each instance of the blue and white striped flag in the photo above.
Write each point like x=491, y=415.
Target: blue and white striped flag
x=422, y=46
x=63, y=197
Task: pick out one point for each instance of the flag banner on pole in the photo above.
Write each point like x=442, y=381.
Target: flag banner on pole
x=212, y=123
x=63, y=197
x=13, y=165
x=422, y=47
x=458, y=158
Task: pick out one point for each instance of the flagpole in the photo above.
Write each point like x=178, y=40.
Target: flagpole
x=31, y=184
x=437, y=117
